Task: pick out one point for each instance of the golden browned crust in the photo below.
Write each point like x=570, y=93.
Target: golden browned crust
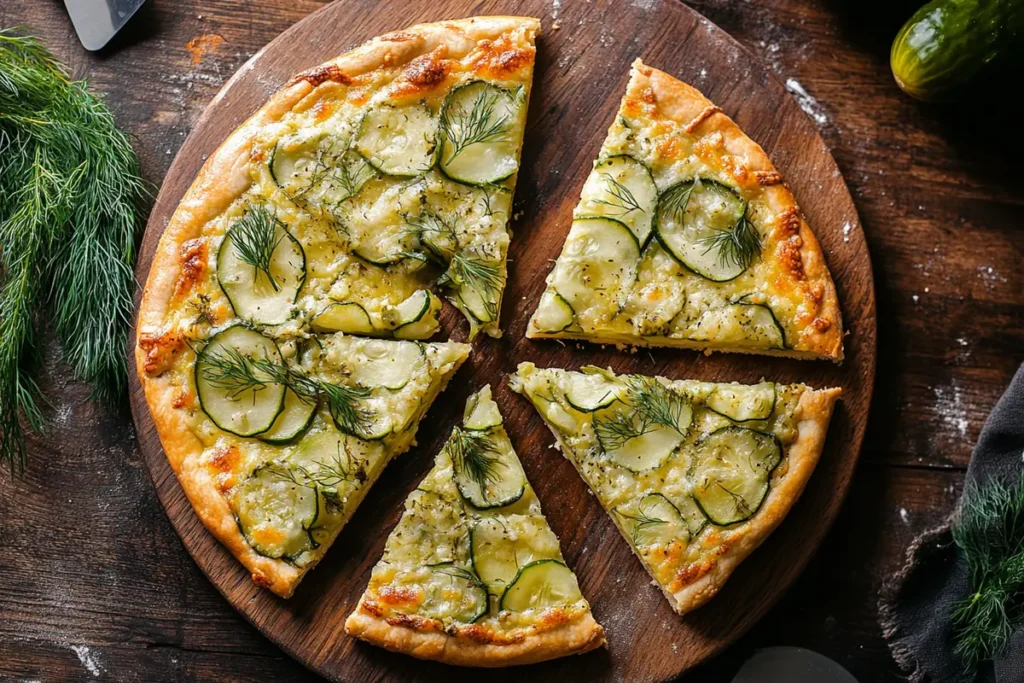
x=576, y=637
x=225, y=177
x=812, y=416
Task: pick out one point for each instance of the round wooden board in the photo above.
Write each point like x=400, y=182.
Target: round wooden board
x=580, y=76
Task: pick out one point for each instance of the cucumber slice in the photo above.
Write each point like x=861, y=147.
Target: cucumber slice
x=622, y=188
x=238, y=408
x=349, y=317
x=417, y=316
x=642, y=432
x=253, y=295
x=294, y=419
x=743, y=403
x=481, y=126
x=703, y=226
x=318, y=171
x=732, y=473
x=388, y=364
x=487, y=471
x=276, y=514
x=692, y=515
x=591, y=391
x=454, y=594
x=323, y=459
x=398, y=140
x=598, y=260
x=554, y=314
x=500, y=547
x=481, y=411
x=742, y=324
x=647, y=451
x=540, y=585
x=653, y=521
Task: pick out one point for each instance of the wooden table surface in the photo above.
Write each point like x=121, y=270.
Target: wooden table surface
x=94, y=583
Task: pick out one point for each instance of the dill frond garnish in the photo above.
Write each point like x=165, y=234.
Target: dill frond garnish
x=989, y=530
x=327, y=475
x=469, y=270
x=436, y=233
x=255, y=239
x=642, y=521
x=622, y=199
x=69, y=195
x=478, y=124
x=476, y=456
x=738, y=246
x=653, y=404
x=675, y=199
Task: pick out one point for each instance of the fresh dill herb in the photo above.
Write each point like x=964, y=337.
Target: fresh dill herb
x=622, y=199
x=738, y=246
x=674, y=201
x=989, y=530
x=255, y=239
x=653, y=404
x=478, y=124
x=436, y=233
x=457, y=572
x=469, y=270
x=70, y=190
x=476, y=457
x=327, y=475
x=642, y=521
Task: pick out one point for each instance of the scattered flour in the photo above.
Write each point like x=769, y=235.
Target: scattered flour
x=904, y=515
x=810, y=105
x=88, y=659
x=950, y=408
x=990, y=276
x=847, y=229
x=916, y=298
x=646, y=5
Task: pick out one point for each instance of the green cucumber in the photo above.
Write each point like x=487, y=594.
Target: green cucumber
x=318, y=171
x=482, y=132
x=481, y=411
x=499, y=547
x=417, y=316
x=742, y=403
x=488, y=474
x=276, y=514
x=947, y=43
x=587, y=392
x=553, y=314
x=645, y=428
x=293, y=420
x=348, y=317
x=742, y=325
x=244, y=412
x=732, y=473
x=622, y=188
x=598, y=260
x=254, y=296
x=324, y=459
x=646, y=451
x=454, y=594
x=653, y=521
x=540, y=585
x=388, y=364
x=398, y=140
x=703, y=225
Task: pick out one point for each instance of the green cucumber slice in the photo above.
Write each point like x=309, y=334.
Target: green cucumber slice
x=647, y=451
x=540, y=585
x=481, y=127
x=481, y=411
x=598, y=261
x=454, y=594
x=499, y=547
x=324, y=459
x=587, y=392
x=742, y=403
x=348, y=317
x=388, y=364
x=622, y=188
x=691, y=513
x=644, y=430
x=703, y=225
x=398, y=140
x=276, y=514
x=318, y=171
x=487, y=472
x=653, y=521
x=417, y=316
x=294, y=419
x=553, y=314
x=732, y=473
x=742, y=324
x=253, y=295
x=241, y=409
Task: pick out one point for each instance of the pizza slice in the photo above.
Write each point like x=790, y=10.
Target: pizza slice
x=695, y=475
x=472, y=574
x=686, y=236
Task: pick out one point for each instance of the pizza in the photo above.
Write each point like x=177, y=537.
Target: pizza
x=322, y=221
x=686, y=236
x=694, y=474
x=472, y=574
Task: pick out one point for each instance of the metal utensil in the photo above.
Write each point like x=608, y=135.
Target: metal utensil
x=96, y=21
x=791, y=665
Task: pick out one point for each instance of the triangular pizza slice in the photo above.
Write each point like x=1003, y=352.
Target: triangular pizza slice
x=695, y=475
x=686, y=236
x=472, y=574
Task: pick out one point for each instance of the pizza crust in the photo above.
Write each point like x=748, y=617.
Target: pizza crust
x=582, y=635
x=223, y=179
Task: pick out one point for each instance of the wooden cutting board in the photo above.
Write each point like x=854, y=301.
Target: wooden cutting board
x=580, y=76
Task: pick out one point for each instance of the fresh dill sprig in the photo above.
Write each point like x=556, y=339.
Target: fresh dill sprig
x=738, y=246
x=479, y=124
x=476, y=456
x=69, y=195
x=236, y=374
x=989, y=530
x=642, y=521
x=327, y=475
x=255, y=239
x=469, y=270
x=622, y=199
x=436, y=233
x=675, y=199
x=653, y=404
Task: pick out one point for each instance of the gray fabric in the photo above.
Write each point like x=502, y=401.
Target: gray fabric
x=916, y=604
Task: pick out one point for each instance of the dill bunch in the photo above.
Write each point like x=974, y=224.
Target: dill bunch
x=70, y=192
x=989, y=530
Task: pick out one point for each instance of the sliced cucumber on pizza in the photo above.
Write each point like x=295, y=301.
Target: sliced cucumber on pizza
x=472, y=574
x=686, y=236
x=299, y=438
x=694, y=474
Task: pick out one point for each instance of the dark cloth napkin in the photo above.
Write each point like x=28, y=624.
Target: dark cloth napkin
x=916, y=604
